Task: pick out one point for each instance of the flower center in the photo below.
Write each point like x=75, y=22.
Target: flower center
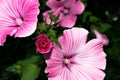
x=19, y=21
x=66, y=61
x=65, y=11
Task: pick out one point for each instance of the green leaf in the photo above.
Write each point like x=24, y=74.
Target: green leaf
x=30, y=72
x=52, y=17
x=86, y=14
x=31, y=60
x=94, y=19
x=14, y=68
x=104, y=27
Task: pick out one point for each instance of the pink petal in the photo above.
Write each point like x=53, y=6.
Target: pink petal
x=92, y=54
x=74, y=74
x=102, y=37
x=54, y=4
x=54, y=67
x=3, y=34
x=57, y=12
x=94, y=73
x=54, y=62
x=78, y=73
x=73, y=39
x=26, y=29
x=68, y=20
x=77, y=8
x=69, y=3
x=5, y=18
x=65, y=74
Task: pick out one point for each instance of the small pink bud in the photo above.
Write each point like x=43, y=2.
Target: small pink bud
x=43, y=44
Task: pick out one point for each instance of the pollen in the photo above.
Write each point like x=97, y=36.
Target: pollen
x=19, y=21
x=66, y=61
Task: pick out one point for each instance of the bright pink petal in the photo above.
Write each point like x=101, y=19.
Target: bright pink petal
x=73, y=39
x=101, y=37
x=77, y=8
x=68, y=20
x=54, y=4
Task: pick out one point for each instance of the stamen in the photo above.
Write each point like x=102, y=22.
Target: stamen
x=66, y=61
x=66, y=11
x=19, y=21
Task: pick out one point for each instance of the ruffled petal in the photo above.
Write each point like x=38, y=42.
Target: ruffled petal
x=73, y=39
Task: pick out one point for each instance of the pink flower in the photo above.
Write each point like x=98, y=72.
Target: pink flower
x=76, y=59
x=18, y=18
x=43, y=44
x=65, y=10
x=101, y=37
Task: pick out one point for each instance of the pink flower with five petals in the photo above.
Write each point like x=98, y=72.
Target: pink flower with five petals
x=77, y=59
x=18, y=18
x=65, y=10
